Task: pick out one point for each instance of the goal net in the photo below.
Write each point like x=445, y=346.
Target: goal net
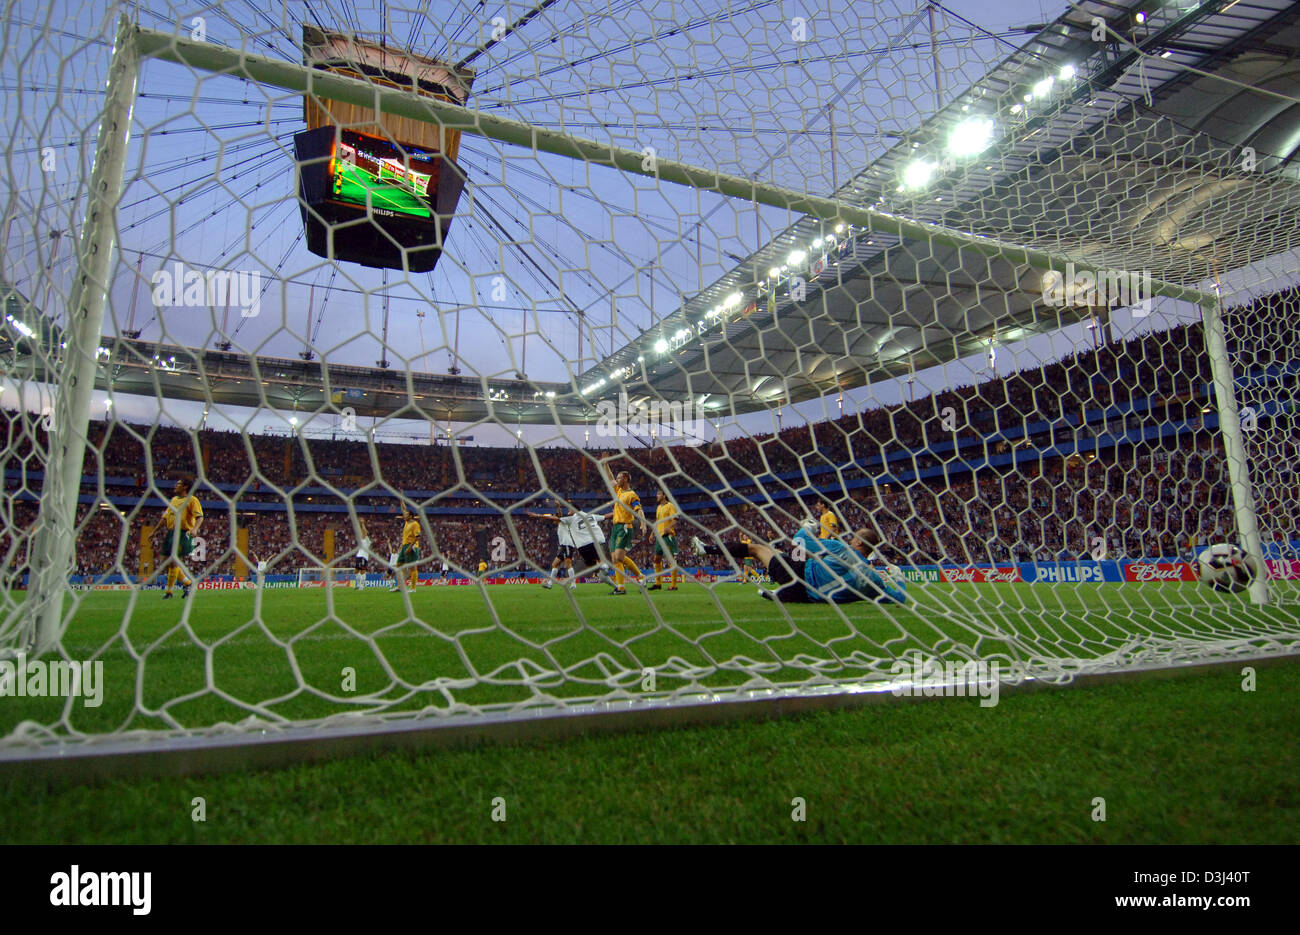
x=644, y=358
x=1262, y=339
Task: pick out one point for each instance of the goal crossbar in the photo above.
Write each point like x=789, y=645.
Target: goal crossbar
x=291, y=76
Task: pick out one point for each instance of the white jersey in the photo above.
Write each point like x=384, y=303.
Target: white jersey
x=363, y=550
x=261, y=567
x=580, y=529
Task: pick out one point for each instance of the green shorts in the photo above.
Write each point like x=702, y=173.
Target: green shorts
x=184, y=547
x=620, y=537
x=408, y=555
x=669, y=542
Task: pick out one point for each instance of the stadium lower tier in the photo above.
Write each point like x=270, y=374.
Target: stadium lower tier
x=1161, y=503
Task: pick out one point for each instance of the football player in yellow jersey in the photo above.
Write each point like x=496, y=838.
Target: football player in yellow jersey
x=830, y=525
x=666, y=542
x=747, y=569
x=482, y=568
x=181, y=521
x=409, y=553
x=627, y=510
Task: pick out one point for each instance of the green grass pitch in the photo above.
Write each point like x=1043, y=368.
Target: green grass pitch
x=1196, y=757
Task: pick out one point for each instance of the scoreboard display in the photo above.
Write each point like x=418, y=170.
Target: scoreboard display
x=368, y=200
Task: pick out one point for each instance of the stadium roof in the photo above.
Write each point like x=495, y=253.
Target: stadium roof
x=1132, y=158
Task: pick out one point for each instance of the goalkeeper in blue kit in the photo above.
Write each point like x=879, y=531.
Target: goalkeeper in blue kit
x=817, y=571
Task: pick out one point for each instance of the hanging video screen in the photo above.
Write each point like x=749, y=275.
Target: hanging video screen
x=407, y=193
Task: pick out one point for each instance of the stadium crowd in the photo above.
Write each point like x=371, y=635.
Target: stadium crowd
x=1134, y=497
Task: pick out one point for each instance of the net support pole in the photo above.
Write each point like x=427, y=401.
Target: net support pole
x=1234, y=445
x=87, y=301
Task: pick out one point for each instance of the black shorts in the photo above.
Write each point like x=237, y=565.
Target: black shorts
x=563, y=553
x=788, y=573
x=589, y=555
x=361, y=563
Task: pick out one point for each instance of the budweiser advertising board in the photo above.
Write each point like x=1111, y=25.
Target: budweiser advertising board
x=1159, y=571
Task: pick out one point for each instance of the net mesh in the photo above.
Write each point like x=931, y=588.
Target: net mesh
x=1262, y=338
x=1034, y=453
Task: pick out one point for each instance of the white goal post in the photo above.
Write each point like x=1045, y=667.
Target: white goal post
x=330, y=578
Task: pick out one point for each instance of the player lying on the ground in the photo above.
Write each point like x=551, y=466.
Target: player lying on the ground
x=817, y=570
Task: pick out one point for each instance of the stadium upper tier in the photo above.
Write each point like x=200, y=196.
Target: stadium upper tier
x=1147, y=150
x=229, y=378
x=1149, y=391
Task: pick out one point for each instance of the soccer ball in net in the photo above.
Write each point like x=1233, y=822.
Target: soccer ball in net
x=1225, y=567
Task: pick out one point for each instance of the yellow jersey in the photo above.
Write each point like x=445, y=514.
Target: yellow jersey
x=411, y=533
x=188, y=509
x=665, y=516
x=482, y=567
x=830, y=525
x=625, y=503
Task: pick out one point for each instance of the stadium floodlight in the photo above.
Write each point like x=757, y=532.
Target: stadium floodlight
x=733, y=300
x=20, y=326
x=1068, y=72
x=918, y=173
x=797, y=257
x=661, y=346
x=839, y=228
x=970, y=137
x=1017, y=108
x=1141, y=17
x=1044, y=87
